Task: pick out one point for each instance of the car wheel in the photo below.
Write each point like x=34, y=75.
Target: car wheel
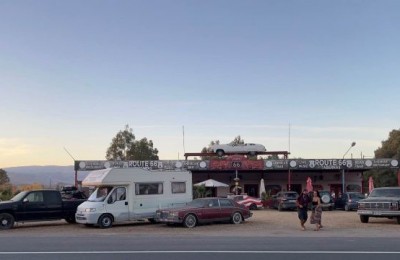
x=190, y=221
x=220, y=153
x=398, y=220
x=252, y=153
x=346, y=207
x=105, y=221
x=253, y=207
x=152, y=220
x=364, y=219
x=6, y=221
x=237, y=218
x=70, y=220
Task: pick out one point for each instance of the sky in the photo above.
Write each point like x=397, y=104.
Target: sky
x=308, y=77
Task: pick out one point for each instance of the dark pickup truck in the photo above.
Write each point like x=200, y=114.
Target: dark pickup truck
x=381, y=203
x=37, y=205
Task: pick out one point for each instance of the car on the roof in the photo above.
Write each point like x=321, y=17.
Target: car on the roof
x=246, y=148
x=349, y=200
x=285, y=200
x=250, y=202
x=204, y=210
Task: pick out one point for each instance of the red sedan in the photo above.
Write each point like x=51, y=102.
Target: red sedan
x=204, y=210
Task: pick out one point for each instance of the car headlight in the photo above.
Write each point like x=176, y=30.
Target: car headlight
x=90, y=210
x=173, y=214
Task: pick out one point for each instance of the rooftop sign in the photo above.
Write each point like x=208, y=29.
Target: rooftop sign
x=242, y=163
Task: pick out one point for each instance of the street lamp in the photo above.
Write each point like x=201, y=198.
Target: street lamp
x=343, y=184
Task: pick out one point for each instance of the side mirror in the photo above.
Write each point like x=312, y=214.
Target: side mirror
x=25, y=200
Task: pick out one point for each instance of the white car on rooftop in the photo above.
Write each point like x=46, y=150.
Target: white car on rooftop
x=247, y=148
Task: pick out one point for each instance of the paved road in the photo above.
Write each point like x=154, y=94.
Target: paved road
x=267, y=234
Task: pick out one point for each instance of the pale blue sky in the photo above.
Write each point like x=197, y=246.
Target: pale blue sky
x=74, y=73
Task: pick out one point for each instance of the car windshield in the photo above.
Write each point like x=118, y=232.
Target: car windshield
x=198, y=203
x=19, y=196
x=356, y=196
x=385, y=193
x=291, y=195
x=99, y=194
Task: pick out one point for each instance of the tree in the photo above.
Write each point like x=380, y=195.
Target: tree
x=390, y=149
x=124, y=147
x=4, y=177
x=237, y=140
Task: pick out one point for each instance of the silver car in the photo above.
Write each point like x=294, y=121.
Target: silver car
x=248, y=148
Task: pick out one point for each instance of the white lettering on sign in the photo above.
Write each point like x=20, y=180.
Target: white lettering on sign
x=145, y=164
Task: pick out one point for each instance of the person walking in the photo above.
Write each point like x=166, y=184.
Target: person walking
x=316, y=214
x=302, y=207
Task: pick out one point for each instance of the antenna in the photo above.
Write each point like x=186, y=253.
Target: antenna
x=183, y=136
x=69, y=154
x=289, y=137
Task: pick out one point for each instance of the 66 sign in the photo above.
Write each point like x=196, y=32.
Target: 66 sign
x=236, y=165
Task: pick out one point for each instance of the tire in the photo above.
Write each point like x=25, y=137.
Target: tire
x=190, y=221
x=152, y=220
x=70, y=220
x=364, y=219
x=236, y=218
x=6, y=221
x=220, y=153
x=105, y=221
x=398, y=220
x=346, y=207
x=252, y=153
x=253, y=207
x=325, y=198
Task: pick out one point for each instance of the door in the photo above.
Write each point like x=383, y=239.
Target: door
x=33, y=207
x=54, y=204
x=251, y=189
x=117, y=204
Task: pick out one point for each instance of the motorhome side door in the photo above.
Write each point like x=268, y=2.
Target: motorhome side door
x=117, y=204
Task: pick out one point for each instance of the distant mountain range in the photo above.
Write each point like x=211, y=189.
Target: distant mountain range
x=49, y=176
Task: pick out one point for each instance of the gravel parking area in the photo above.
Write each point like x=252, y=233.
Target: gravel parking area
x=264, y=223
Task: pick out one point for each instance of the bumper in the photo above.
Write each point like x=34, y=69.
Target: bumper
x=87, y=218
x=289, y=205
x=375, y=213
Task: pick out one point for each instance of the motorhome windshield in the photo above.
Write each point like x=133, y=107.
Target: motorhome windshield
x=100, y=194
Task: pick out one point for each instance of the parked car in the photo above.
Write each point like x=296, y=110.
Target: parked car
x=249, y=148
x=204, y=210
x=250, y=202
x=349, y=201
x=381, y=203
x=328, y=203
x=37, y=205
x=285, y=200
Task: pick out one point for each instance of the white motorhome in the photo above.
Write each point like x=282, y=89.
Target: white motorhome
x=128, y=194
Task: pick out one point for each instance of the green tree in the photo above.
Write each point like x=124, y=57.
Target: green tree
x=237, y=140
x=390, y=149
x=4, y=177
x=124, y=147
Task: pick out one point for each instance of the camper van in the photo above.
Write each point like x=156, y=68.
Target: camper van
x=129, y=194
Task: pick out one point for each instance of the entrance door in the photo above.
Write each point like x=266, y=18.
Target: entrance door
x=295, y=187
x=251, y=190
x=336, y=190
x=117, y=204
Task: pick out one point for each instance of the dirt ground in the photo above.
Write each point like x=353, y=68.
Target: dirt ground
x=263, y=223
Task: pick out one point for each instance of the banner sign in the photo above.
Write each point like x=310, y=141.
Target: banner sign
x=331, y=164
x=242, y=163
x=151, y=165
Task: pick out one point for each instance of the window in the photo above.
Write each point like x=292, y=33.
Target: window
x=178, y=187
x=148, y=188
x=117, y=194
x=226, y=203
x=35, y=196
